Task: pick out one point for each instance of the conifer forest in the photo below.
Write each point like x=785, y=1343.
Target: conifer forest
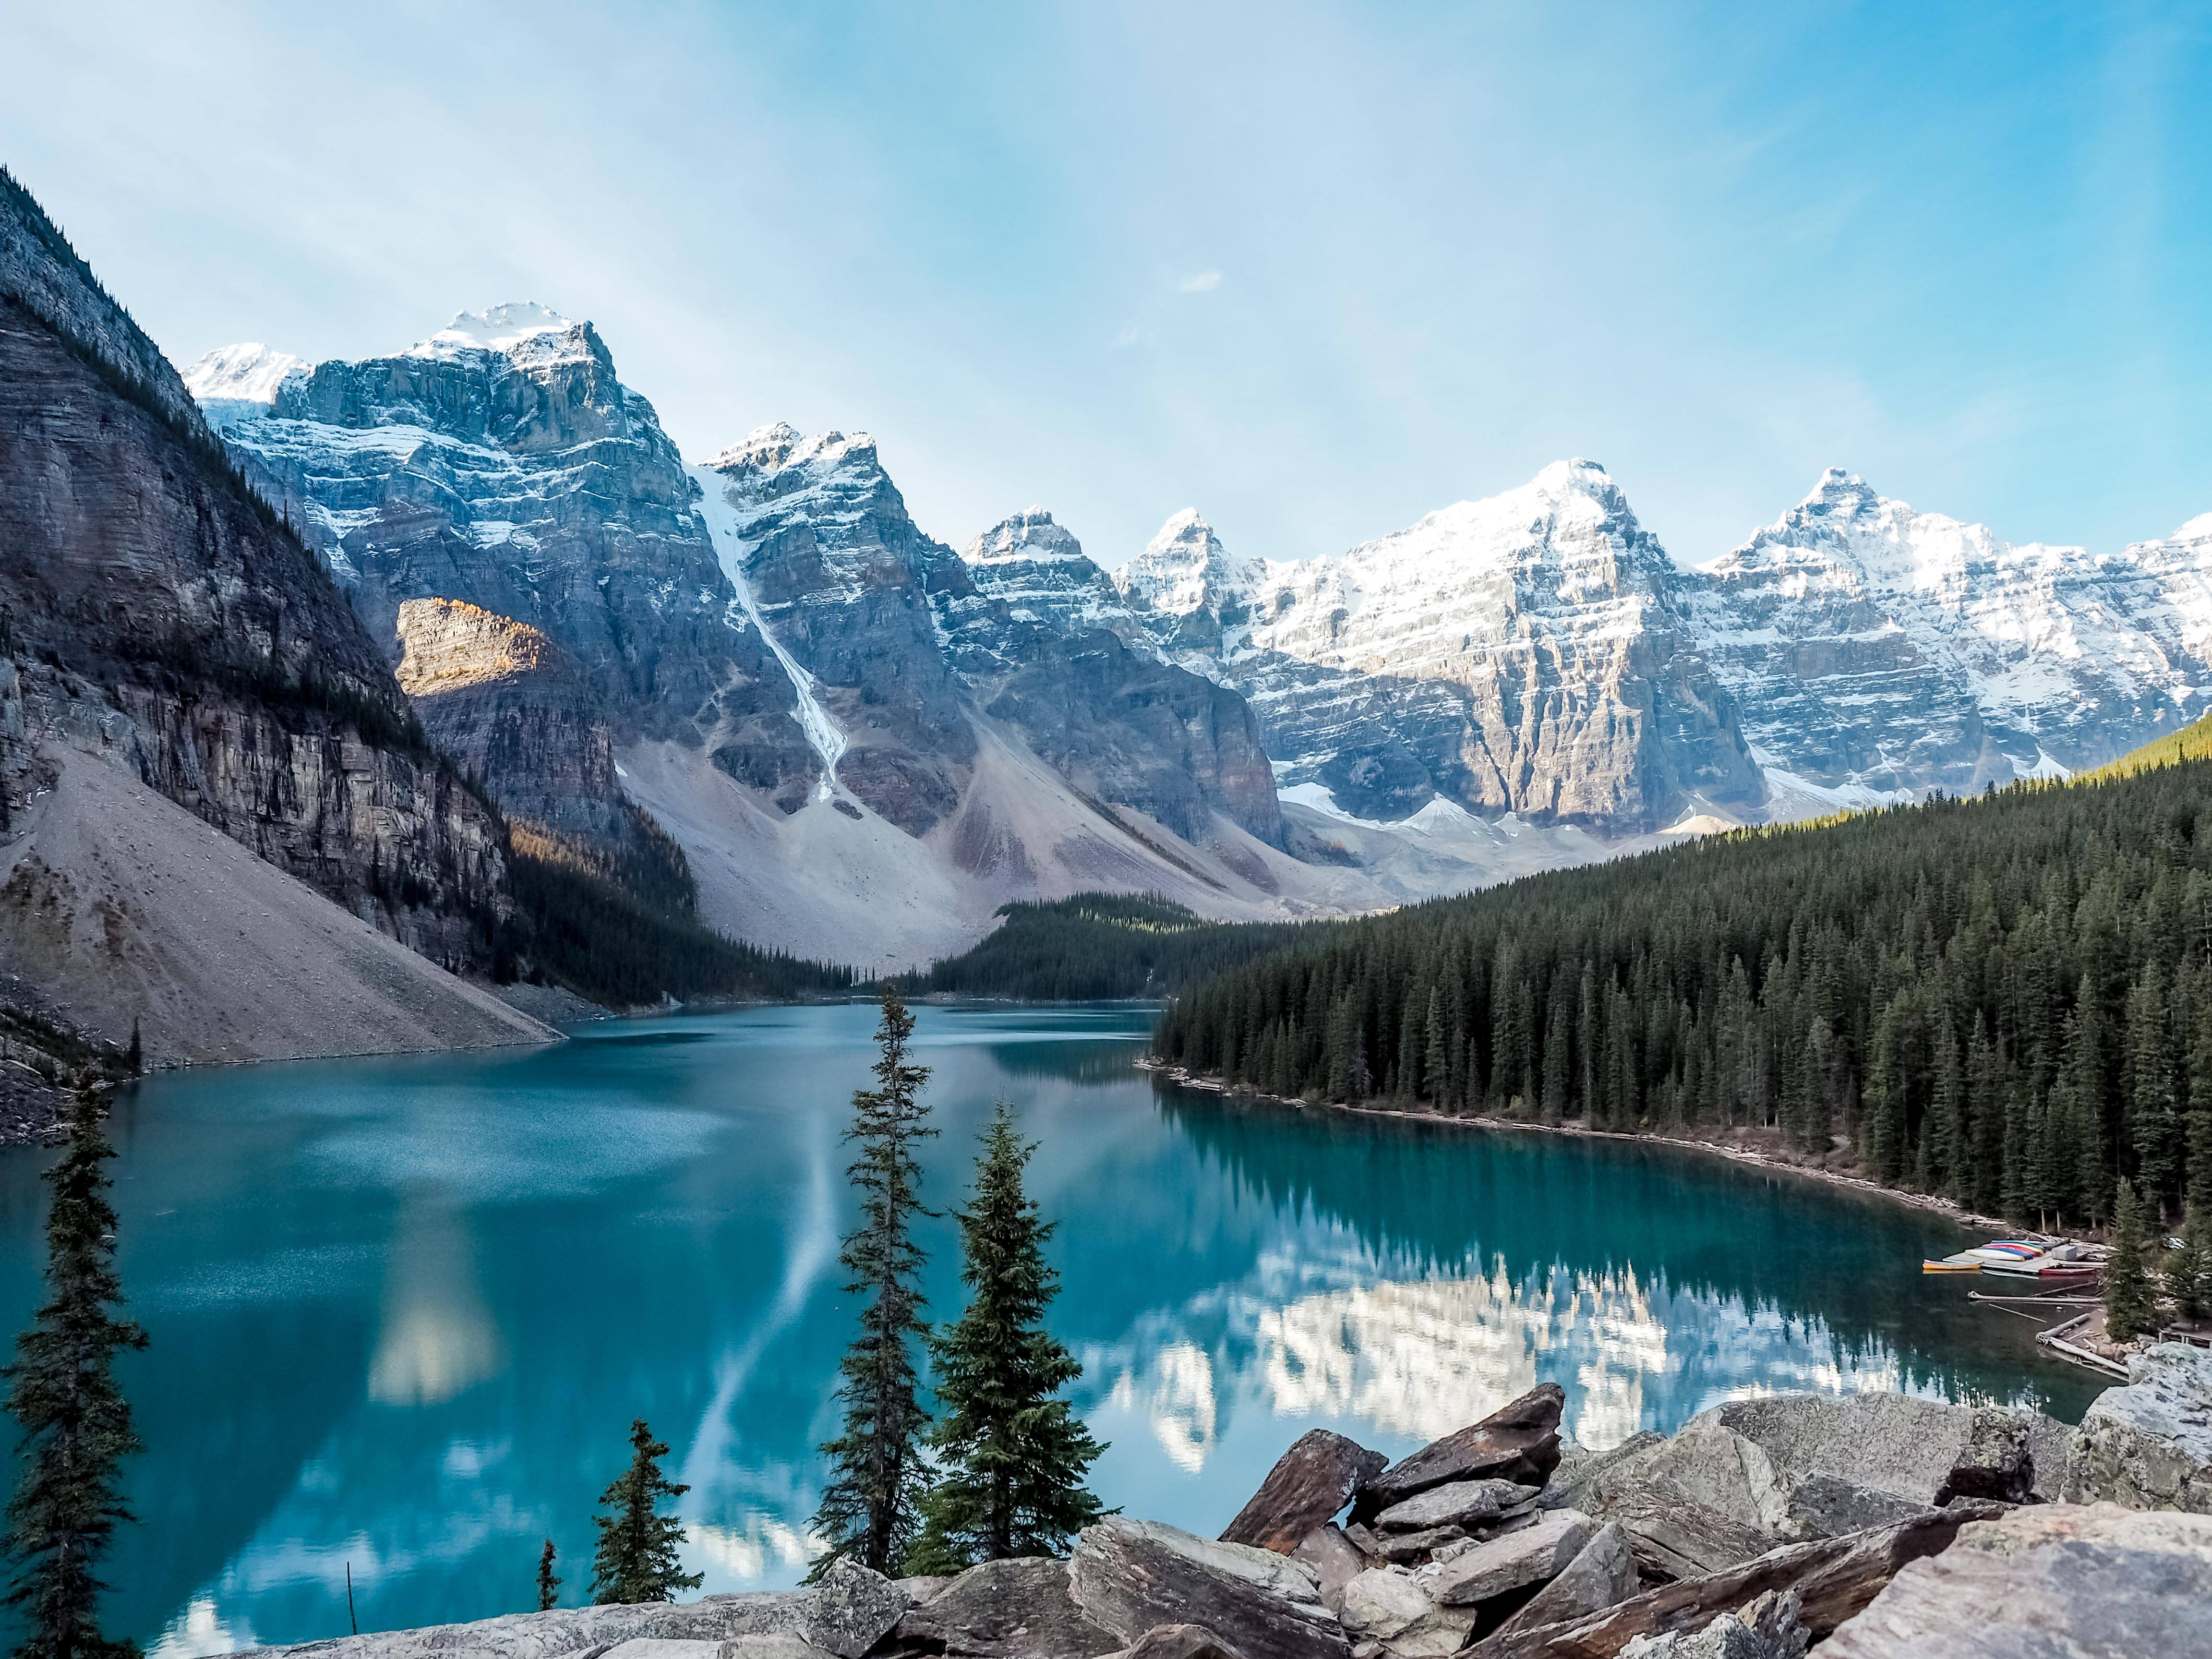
x=2005, y=1000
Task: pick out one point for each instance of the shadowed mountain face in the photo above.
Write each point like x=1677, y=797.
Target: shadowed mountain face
x=155, y=614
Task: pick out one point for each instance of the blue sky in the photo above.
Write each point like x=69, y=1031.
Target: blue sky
x=1313, y=269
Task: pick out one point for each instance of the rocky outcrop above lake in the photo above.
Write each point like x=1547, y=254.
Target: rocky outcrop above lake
x=1504, y=1569
x=2148, y=1445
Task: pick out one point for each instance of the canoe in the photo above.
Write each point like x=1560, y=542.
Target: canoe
x=1951, y=1264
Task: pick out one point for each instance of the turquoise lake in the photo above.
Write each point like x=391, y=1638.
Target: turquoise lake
x=403, y=1310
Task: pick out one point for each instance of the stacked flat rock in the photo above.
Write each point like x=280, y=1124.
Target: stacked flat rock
x=1519, y=1442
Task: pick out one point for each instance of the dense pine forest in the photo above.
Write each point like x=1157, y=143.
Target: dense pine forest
x=2006, y=1000
x=1098, y=945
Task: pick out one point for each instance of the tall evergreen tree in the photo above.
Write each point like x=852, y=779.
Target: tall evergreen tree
x=1013, y=1453
x=2188, y=1268
x=639, y=1556
x=549, y=1582
x=2131, y=1307
x=870, y=1509
x=76, y=1424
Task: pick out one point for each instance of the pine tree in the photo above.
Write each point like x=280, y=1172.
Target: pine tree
x=1013, y=1453
x=549, y=1584
x=76, y=1424
x=869, y=1511
x=639, y=1558
x=2129, y=1307
x=2188, y=1269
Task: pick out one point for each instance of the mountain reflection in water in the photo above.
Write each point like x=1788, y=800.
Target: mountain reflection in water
x=403, y=1309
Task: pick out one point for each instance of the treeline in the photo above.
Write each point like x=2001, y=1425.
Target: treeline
x=578, y=928
x=2006, y=1000
x=1100, y=945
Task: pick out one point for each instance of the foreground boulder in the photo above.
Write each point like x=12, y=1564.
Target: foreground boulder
x=1456, y=1503
x=1519, y=1442
x=1311, y=1483
x=1602, y=1575
x=2148, y=1445
x=1534, y=1555
x=1131, y=1577
x=2055, y=1579
x=1834, y=1577
x=846, y=1614
x=1012, y=1609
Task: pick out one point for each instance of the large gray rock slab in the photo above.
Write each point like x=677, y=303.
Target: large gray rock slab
x=1022, y=1608
x=1456, y=1503
x=1601, y=1575
x=2148, y=1445
x=1130, y=1576
x=1898, y=1443
x=1519, y=1442
x=1704, y=1501
x=847, y=1614
x=1310, y=1484
x=1335, y=1560
x=1179, y=1642
x=1578, y=1466
x=1534, y=1555
x=2092, y=1582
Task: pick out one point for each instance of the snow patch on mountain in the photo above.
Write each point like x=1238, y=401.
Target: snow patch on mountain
x=519, y=327
x=237, y=382
x=824, y=734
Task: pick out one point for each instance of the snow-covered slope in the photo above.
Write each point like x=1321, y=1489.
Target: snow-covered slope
x=1877, y=648
x=240, y=382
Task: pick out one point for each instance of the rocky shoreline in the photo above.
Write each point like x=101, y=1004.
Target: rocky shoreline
x=1873, y=1525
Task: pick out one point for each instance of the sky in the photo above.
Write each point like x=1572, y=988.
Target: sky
x=1314, y=270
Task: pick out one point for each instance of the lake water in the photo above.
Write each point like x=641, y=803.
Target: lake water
x=403, y=1309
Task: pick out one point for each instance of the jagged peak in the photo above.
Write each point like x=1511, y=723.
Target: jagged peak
x=1030, y=534
x=780, y=445
x=1182, y=530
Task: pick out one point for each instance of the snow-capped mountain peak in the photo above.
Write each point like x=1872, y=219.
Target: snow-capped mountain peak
x=520, y=329
x=1184, y=569
x=780, y=446
x=235, y=382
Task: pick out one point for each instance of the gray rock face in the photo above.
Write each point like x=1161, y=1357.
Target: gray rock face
x=1392, y=1605
x=1912, y=1448
x=1131, y=1576
x=1035, y=643
x=502, y=462
x=1534, y=1555
x=1527, y=653
x=230, y=674
x=1310, y=1484
x=2091, y=1583
x=2148, y=1445
x=1766, y=1628
x=1601, y=1575
x=1871, y=645
x=1519, y=1442
x=1454, y=1503
x=1021, y=1608
x=846, y=1616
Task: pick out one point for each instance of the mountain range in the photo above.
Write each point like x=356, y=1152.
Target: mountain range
x=750, y=687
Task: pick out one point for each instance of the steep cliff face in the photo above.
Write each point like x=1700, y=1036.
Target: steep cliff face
x=501, y=461
x=1034, y=641
x=500, y=698
x=1526, y=653
x=839, y=573
x=1877, y=648
x=155, y=612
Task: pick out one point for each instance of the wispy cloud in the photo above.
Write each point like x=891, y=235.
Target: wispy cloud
x=1204, y=282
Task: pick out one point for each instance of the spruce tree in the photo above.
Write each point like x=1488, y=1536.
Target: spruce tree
x=2187, y=1268
x=2130, y=1306
x=870, y=1509
x=1013, y=1454
x=549, y=1584
x=75, y=1422
x=639, y=1558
